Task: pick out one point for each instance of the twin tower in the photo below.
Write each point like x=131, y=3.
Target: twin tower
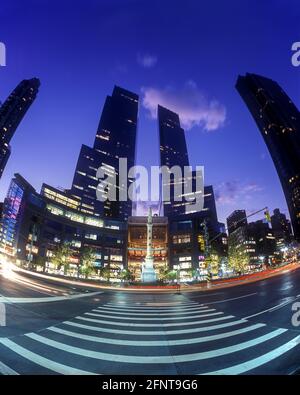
x=116, y=138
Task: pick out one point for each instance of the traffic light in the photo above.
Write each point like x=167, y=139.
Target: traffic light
x=267, y=215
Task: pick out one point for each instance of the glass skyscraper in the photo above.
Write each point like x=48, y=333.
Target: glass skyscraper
x=12, y=112
x=279, y=122
x=115, y=138
x=173, y=152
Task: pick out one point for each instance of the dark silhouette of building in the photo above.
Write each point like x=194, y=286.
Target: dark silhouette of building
x=236, y=220
x=265, y=240
x=173, y=152
x=281, y=227
x=115, y=138
x=279, y=122
x=12, y=112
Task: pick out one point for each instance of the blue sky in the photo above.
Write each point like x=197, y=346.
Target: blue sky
x=185, y=54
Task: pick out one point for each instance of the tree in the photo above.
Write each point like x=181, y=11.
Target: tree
x=104, y=272
x=61, y=257
x=87, y=259
x=238, y=259
x=167, y=274
x=212, y=264
x=172, y=275
x=162, y=274
x=126, y=275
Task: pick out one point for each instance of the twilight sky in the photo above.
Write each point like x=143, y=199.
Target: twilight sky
x=185, y=55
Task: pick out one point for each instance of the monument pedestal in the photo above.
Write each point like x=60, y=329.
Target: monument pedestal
x=148, y=272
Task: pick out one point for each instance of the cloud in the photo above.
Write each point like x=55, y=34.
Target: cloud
x=189, y=102
x=142, y=207
x=146, y=60
x=234, y=193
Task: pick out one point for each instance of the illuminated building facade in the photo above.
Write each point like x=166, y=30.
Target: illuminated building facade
x=188, y=234
x=115, y=138
x=137, y=244
x=12, y=112
x=278, y=120
x=241, y=243
x=255, y=241
x=34, y=225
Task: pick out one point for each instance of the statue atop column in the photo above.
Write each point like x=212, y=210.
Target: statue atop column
x=148, y=272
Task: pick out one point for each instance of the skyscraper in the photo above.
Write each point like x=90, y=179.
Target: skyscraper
x=265, y=240
x=12, y=112
x=235, y=220
x=173, y=152
x=115, y=138
x=281, y=226
x=279, y=122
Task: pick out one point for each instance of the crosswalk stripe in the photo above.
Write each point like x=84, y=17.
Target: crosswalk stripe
x=156, y=333
x=157, y=309
x=256, y=362
x=42, y=361
x=152, y=305
x=159, y=318
x=47, y=299
x=151, y=314
x=131, y=324
x=4, y=369
x=160, y=359
x=156, y=343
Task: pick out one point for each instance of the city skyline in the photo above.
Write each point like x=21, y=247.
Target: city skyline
x=149, y=191
x=210, y=110
x=141, y=207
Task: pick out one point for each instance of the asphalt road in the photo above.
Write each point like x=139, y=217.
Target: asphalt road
x=54, y=328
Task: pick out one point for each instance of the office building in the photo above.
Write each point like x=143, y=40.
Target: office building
x=34, y=225
x=115, y=139
x=236, y=220
x=278, y=120
x=173, y=152
x=12, y=112
x=281, y=227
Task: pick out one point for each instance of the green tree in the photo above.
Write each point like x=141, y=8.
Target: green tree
x=166, y=274
x=163, y=273
x=87, y=259
x=126, y=275
x=61, y=257
x=238, y=259
x=104, y=272
x=212, y=263
x=171, y=275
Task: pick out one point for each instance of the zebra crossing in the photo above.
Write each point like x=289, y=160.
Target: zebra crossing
x=182, y=337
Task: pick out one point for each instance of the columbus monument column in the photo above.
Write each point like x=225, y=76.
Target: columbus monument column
x=148, y=272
